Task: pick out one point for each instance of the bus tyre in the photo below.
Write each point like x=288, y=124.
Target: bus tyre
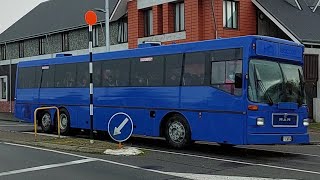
x=64, y=122
x=177, y=132
x=45, y=122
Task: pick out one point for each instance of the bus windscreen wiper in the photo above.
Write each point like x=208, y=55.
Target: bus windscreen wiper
x=260, y=84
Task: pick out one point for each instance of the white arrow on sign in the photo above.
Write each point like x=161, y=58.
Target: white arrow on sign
x=117, y=130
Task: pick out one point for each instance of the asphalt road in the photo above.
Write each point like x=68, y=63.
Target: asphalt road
x=201, y=161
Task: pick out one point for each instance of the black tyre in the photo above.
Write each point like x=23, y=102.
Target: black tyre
x=177, y=132
x=45, y=122
x=64, y=122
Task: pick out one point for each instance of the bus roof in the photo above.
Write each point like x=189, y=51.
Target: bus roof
x=216, y=44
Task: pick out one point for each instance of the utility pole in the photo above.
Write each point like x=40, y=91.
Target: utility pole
x=107, y=19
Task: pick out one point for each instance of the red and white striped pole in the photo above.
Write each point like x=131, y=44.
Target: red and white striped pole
x=91, y=19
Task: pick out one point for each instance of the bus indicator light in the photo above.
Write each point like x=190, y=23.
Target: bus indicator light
x=253, y=108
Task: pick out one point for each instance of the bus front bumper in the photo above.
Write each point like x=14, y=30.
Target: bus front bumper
x=278, y=139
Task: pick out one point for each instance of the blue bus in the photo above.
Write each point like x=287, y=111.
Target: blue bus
x=233, y=91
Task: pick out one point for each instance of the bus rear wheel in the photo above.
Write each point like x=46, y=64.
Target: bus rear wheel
x=177, y=132
x=45, y=122
x=64, y=122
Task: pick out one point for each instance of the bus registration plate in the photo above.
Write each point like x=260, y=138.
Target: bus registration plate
x=287, y=138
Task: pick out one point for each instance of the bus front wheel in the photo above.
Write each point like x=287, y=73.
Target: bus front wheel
x=177, y=132
x=64, y=122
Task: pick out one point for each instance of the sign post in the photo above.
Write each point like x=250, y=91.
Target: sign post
x=91, y=19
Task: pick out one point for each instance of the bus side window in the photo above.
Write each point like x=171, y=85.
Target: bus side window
x=147, y=71
x=65, y=75
x=223, y=75
x=82, y=75
x=115, y=73
x=48, y=77
x=173, y=69
x=194, y=72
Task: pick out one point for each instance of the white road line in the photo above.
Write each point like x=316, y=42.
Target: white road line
x=175, y=153
x=234, y=161
x=48, y=150
x=285, y=152
x=50, y=166
x=44, y=134
x=187, y=175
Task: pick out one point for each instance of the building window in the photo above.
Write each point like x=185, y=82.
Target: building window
x=230, y=14
x=21, y=49
x=123, y=30
x=65, y=41
x=179, y=17
x=42, y=44
x=95, y=31
x=3, y=52
x=148, y=22
x=3, y=88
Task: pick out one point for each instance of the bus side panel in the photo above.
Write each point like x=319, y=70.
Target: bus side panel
x=142, y=124
x=25, y=104
x=227, y=128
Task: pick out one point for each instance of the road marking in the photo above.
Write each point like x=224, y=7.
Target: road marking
x=187, y=175
x=233, y=161
x=50, y=166
x=213, y=177
x=44, y=134
x=48, y=150
x=285, y=152
x=175, y=153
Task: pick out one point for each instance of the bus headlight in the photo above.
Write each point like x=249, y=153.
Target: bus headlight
x=306, y=122
x=260, y=121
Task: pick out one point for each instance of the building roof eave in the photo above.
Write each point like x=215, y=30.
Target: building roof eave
x=280, y=25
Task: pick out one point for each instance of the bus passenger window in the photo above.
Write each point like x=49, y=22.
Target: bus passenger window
x=223, y=75
x=173, y=69
x=107, y=78
x=147, y=71
x=82, y=75
x=194, y=71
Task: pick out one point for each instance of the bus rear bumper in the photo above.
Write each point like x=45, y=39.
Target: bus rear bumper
x=278, y=139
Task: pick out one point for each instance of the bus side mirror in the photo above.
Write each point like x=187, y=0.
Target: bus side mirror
x=238, y=80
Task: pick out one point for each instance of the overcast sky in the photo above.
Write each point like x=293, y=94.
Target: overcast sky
x=12, y=10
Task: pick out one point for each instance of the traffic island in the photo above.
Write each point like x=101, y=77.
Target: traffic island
x=66, y=143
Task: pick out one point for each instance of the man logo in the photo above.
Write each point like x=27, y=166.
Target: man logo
x=285, y=118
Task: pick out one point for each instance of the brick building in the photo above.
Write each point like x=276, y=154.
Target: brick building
x=167, y=21
x=189, y=20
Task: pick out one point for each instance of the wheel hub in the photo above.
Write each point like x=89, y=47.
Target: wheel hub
x=46, y=120
x=63, y=121
x=177, y=132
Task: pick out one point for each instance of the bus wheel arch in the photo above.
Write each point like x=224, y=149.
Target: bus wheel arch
x=175, y=122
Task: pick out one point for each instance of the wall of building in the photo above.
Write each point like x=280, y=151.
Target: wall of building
x=316, y=100
x=12, y=50
x=198, y=21
x=5, y=71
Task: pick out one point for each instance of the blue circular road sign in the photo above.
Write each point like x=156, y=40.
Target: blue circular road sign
x=120, y=127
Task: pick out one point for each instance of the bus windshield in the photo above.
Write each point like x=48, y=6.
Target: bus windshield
x=274, y=82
